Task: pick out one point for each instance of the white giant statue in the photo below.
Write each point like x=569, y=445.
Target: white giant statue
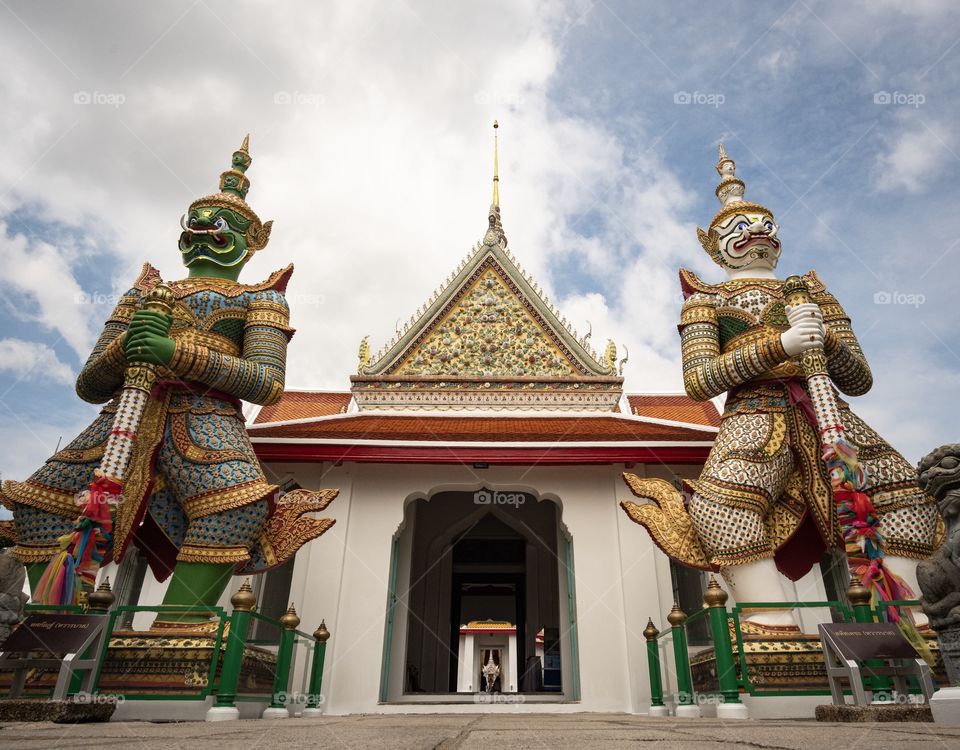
x=763, y=507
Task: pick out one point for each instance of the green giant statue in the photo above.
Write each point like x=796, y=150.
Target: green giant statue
x=182, y=479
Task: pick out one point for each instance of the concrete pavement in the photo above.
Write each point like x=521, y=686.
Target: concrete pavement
x=486, y=732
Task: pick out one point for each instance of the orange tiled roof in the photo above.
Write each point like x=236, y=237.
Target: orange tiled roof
x=303, y=405
x=372, y=426
x=674, y=406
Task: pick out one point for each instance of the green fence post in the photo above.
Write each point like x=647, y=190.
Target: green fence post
x=315, y=698
x=653, y=666
x=686, y=704
x=715, y=598
x=281, y=679
x=224, y=708
x=98, y=602
x=859, y=597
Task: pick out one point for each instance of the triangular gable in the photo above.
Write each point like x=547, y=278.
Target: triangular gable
x=489, y=322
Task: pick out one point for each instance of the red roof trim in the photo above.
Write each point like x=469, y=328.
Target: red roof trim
x=313, y=452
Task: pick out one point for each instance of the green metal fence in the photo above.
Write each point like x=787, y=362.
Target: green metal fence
x=729, y=646
x=230, y=637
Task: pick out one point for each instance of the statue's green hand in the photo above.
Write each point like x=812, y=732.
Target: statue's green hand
x=149, y=347
x=147, y=340
x=149, y=320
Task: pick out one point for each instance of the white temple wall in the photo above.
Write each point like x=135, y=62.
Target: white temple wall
x=343, y=576
x=646, y=584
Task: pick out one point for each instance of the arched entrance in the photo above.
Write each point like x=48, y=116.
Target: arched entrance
x=478, y=575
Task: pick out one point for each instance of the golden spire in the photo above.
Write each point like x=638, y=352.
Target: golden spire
x=245, y=147
x=496, y=169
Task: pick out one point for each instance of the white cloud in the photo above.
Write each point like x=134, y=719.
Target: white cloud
x=371, y=139
x=375, y=165
x=38, y=285
x=914, y=157
x=31, y=360
x=370, y=132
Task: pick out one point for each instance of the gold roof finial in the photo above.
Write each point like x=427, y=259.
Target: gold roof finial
x=496, y=168
x=245, y=147
x=723, y=158
x=730, y=189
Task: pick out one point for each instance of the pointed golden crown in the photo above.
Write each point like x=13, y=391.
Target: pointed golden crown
x=234, y=185
x=729, y=192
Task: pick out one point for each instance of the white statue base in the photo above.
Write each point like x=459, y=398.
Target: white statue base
x=275, y=713
x=760, y=581
x=222, y=713
x=732, y=711
x=945, y=706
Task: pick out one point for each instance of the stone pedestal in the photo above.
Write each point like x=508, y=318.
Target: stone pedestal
x=949, y=638
x=658, y=711
x=12, y=598
x=831, y=712
x=59, y=712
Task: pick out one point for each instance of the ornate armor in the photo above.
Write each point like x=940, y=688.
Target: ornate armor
x=194, y=482
x=764, y=482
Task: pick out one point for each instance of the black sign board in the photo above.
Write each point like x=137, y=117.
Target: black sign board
x=862, y=641
x=53, y=633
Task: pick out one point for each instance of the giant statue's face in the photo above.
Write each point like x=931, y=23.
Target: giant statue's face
x=748, y=240
x=214, y=234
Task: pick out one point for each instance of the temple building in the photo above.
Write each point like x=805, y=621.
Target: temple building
x=479, y=457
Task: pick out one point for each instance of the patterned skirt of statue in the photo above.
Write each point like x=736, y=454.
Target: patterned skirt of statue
x=194, y=490
x=764, y=491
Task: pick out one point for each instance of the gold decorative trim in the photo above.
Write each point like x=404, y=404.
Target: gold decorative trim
x=28, y=554
x=180, y=432
x=227, y=288
x=217, y=501
x=216, y=341
x=666, y=520
x=193, y=553
x=41, y=497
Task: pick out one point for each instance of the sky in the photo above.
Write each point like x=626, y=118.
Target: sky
x=370, y=131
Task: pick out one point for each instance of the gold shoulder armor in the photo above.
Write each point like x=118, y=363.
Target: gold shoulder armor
x=269, y=308
x=831, y=309
x=698, y=308
x=691, y=283
x=149, y=277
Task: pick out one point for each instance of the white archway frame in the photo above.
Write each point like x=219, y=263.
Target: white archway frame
x=393, y=675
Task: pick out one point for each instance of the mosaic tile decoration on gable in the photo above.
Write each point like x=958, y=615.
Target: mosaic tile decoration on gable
x=489, y=340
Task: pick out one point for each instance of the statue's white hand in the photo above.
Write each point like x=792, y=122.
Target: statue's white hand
x=806, y=329
x=807, y=310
